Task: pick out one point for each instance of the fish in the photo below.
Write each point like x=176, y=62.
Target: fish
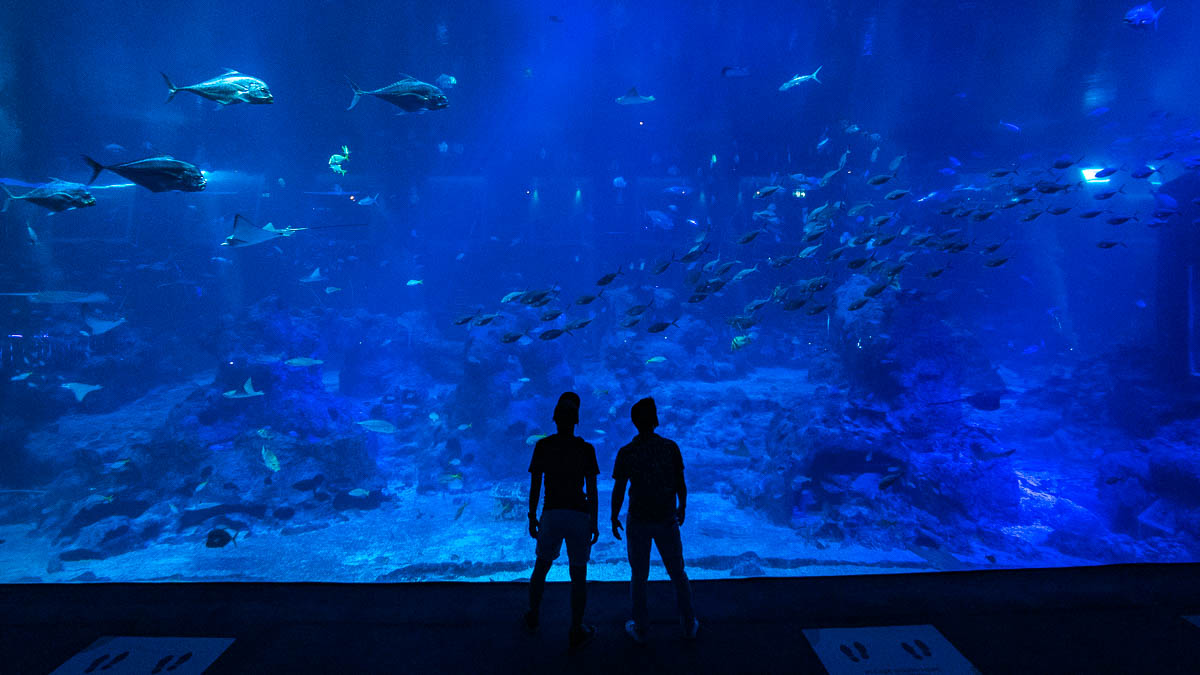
x=314, y=277
x=446, y=82
x=749, y=236
x=80, y=390
x=98, y=326
x=303, y=362
x=247, y=391
x=486, y=319
x=1107, y=171
x=1118, y=220
x=895, y=163
x=896, y=194
x=1143, y=16
x=858, y=304
x=58, y=196
x=62, y=297
x=734, y=71
x=533, y=439
x=551, y=334
x=608, y=278
x=879, y=179
x=1092, y=214
x=798, y=78
x=369, y=201
x=996, y=262
x=1143, y=172
x=576, y=324
x=1109, y=244
x=744, y=273
x=888, y=480
x=1011, y=127
x=660, y=220
x=269, y=459
x=408, y=94
x=218, y=538
x=655, y=359
x=551, y=314
x=509, y=338
x=250, y=234
x=231, y=87
x=414, y=282
x=162, y=173
x=767, y=191
x=632, y=97
x=360, y=493
x=661, y=326
x=739, y=342
x=21, y=376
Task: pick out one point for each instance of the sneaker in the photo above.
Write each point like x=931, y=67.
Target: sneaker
x=689, y=633
x=635, y=633
x=531, y=620
x=580, y=637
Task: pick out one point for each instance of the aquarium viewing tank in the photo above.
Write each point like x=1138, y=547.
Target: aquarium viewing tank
x=288, y=291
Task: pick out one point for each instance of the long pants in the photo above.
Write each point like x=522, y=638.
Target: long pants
x=666, y=537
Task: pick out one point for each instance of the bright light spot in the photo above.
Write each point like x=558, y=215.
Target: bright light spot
x=798, y=194
x=641, y=124
x=528, y=192
x=578, y=195
x=1089, y=175
x=712, y=161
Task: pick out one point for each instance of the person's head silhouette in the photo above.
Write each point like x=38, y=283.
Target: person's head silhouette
x=645, y=415
x=566, y=412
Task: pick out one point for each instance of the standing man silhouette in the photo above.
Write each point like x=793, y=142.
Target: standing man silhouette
x=652, y=466
x=568, y=464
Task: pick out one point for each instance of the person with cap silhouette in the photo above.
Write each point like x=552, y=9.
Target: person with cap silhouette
x=652, y=467
x=568, y=464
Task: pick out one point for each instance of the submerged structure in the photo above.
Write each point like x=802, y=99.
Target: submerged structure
x=936, y=310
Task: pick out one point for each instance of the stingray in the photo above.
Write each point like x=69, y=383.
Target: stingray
x=246, y=233
x=985, y=400
x=80, y=390
x=247, y=391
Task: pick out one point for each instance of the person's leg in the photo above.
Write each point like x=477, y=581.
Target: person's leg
x=549, y=544
x=537, y=586
x=579, y=549
x=637, y=545
x=670, y=549
x=578, y=594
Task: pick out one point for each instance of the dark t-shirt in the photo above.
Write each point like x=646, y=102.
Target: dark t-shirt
x=566, y=462
x=653, y=466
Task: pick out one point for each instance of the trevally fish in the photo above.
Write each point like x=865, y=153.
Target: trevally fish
x=797, y=79
x=58, y=196
x=232, y=87
x=156, y=174
x=632, y=97
x=408, y=93
x=1143, y=16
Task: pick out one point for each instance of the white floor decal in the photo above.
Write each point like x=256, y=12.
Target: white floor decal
x=887, y=650
x=146, y=656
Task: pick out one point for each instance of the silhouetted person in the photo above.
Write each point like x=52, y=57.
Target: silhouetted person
x=653, y=468
x=568, y=463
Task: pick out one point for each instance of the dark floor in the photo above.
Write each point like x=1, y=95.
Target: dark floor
x=1123, y=618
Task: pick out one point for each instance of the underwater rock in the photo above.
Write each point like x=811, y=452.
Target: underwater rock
x=747, y=564
x=89, y=515
x=77, y=554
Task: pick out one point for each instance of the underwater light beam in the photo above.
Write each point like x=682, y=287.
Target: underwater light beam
x=1089, y=175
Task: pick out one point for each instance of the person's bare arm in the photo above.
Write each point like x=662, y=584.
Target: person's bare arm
x=618, y=498
x=681, y=494
x=593, y=499
x=535, y=490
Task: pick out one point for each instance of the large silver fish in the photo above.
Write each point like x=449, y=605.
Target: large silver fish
x=232, y=87
x=156, y=174
x=409, y=94
x=58, y=196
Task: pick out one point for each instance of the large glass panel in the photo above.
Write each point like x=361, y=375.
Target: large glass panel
x=913, y=284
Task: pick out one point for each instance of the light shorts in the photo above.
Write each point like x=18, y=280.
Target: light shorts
x=558, y=525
